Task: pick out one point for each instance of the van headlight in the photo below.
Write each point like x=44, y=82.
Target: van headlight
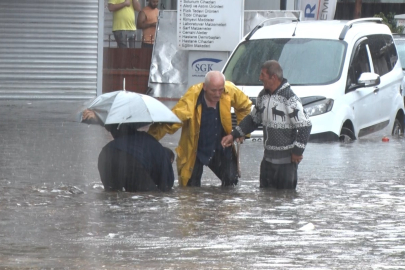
x=319, y=107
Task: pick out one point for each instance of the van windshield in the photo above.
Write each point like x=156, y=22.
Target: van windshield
x=304, y=61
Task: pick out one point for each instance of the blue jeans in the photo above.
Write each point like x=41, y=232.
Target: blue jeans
x=125, y=38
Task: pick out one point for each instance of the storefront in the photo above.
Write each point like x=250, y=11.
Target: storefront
x=54, y=50
x=49, y=49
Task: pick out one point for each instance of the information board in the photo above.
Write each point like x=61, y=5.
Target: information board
x=209, y=25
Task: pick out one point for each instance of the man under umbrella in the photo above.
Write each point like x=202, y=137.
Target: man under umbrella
x=134, y=160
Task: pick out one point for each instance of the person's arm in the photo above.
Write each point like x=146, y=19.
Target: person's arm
x=302, y=124
x=89, y=117
x=159, y=130
x=246, y=126
x=251, y=121
x=242, y=104
x=136, y=5
x=141, y=22
x=184, y=110
x=115, y=7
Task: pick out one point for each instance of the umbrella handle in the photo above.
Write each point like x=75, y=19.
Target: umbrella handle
x=123, y=84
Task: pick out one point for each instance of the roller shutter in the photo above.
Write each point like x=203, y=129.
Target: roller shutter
x=48, y=48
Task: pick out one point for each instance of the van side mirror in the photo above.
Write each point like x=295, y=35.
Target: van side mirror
x=368, y=79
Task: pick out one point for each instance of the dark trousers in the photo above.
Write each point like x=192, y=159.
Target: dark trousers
x=146, y=45
x=224, y=168
x=279, y=176
x=120, y=171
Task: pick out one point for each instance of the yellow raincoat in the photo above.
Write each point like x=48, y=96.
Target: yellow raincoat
x=189, y=113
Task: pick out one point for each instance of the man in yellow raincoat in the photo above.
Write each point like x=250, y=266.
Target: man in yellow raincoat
x=205, y=112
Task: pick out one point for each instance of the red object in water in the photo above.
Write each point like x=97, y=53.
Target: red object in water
x=385, y=139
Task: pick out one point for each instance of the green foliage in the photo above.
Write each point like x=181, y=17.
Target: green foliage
x=390, y=21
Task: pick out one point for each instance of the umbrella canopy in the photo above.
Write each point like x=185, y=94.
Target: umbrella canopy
x=120, y=107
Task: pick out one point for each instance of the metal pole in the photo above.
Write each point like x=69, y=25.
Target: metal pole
x=100, y=48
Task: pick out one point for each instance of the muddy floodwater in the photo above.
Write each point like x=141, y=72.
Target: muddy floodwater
x=348, y=210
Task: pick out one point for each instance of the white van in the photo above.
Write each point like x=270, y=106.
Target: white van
x=346, y=73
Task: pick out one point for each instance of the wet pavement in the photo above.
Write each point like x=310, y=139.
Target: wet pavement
x=347, y=212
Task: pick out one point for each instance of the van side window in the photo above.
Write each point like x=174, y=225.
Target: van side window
x=383, y=53
x=359, y=65
x=392, y=52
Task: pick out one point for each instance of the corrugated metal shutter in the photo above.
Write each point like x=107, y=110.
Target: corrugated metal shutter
x=48, y=48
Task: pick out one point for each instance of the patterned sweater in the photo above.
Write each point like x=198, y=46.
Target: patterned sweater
x=286, y=127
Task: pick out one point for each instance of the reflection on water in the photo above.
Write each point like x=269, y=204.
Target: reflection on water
x=347, y=211
x=334, y=219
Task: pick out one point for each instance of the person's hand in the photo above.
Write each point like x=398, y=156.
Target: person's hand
x=127, y=3
x=240, y=140
x=296, y=159
x=227, y=141
x=88, y=115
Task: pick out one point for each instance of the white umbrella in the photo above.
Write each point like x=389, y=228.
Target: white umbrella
x=122, y=106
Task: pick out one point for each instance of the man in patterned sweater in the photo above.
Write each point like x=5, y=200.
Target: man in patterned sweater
x=286, y=129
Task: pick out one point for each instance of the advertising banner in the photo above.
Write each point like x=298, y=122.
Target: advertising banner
x=318, y=9
x=209, y=25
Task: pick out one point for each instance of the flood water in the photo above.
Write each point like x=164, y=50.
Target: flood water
x=347, y=213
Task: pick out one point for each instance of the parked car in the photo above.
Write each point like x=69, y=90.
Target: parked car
x=346, y=73
x=400, y=44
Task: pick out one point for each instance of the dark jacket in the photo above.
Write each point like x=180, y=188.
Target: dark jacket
x=135, y=162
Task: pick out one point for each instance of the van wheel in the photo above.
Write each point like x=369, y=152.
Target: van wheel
x=346, y=135
x=398, y=128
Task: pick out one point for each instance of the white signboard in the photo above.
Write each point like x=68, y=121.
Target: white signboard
x=199, y=63
x=318, y=9
x=209, y=25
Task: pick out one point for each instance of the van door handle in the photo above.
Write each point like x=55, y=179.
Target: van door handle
x=376, y=90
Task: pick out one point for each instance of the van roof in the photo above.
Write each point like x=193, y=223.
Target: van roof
x=319, y=30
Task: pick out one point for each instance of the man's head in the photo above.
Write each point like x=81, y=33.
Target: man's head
x=153, y=3
x=126, y=129
x=271, y=75
x=214, y=86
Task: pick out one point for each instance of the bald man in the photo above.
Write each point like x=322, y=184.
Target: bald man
x=205, y=112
